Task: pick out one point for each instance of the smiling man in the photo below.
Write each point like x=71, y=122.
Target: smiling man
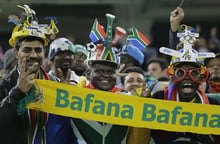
x=61, y=55
x=134, y=79
x=101, y=74
x=18, y=124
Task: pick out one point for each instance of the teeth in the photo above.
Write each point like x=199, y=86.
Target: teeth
x=104, y=81
x=187, y=84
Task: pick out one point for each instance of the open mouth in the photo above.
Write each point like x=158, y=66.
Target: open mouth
x=104, y=81
x=187, y=88
x=66, y=64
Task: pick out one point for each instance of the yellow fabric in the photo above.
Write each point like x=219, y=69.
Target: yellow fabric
x=77, y=102
x=82, y=81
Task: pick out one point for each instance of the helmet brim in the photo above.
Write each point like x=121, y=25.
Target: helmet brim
x=104, y=62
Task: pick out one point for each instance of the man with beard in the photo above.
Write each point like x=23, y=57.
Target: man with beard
x=61, y=54
x=185, y=75
x=18, y=124
x=79, y=65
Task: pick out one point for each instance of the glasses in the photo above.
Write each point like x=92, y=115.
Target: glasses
x=196, y=74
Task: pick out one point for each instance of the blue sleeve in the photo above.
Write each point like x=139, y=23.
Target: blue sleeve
x=59, y=131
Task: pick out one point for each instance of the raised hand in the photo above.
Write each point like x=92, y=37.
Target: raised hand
x=26, y=76
x=63, y=78
x=176, y=16
x=119, y=71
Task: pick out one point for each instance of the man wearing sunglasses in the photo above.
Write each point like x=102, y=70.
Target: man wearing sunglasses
x=186, y=78
x=186, y=75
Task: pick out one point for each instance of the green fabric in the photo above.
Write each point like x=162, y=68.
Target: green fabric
x=37, y=119
x=116, y=134
x=92, y=136
x=21, y=108
x=205, y=139
x=88, y=132
x=150, y=78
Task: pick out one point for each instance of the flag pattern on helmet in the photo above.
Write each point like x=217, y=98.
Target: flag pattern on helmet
x=107, y=53
x=103, y=51
x=97, y=32
x=138, y=39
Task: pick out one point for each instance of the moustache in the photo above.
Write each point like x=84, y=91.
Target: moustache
x=33, y=60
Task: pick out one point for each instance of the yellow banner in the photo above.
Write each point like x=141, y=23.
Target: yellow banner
x=77, y=102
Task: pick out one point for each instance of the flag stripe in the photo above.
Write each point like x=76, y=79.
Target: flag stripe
x=138, y=39
x=138, y=44
x=142, y=37
x=97, y=32
x=93, y=37
x=100, y=30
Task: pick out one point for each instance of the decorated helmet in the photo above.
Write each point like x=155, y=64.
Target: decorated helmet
x=101, y=52
x=187, y=55
x=30, y=27
x=58, y=45
x=18, y=33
